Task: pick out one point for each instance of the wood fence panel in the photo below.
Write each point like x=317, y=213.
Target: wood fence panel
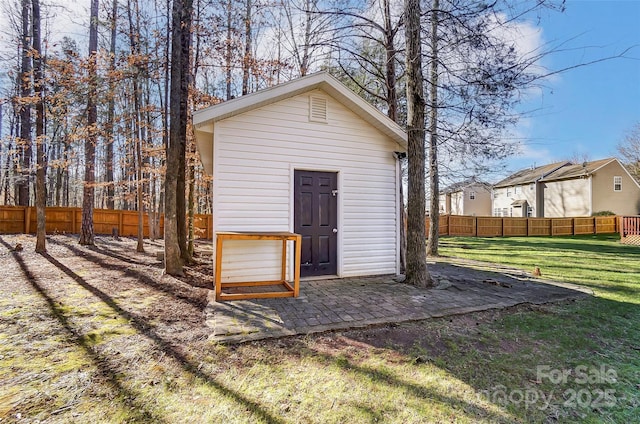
x=515, y=227
x=489, y=226
x=585, y=225
x=464, y=226
x=443, y=228
x=202, y=228
x=539, y=226
x=606, y=224
x=12, y=219
x=106, y=220
x=562, y=226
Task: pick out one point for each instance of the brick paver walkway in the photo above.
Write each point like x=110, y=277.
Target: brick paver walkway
x=358, y=302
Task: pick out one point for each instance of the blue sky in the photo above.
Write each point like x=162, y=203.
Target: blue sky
x=585, y=111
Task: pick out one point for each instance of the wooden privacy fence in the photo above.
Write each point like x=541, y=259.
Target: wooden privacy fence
x=20, y=219
x=488, y=226
x=630, y=229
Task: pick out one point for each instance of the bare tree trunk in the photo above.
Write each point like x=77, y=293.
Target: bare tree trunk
x=417, y=273
x=181, y=27
x=134, y=34
x=390, y=71
x=246, y=63
x=229, y=52
x=110, y=136
x=41, y=192
x=434, y=214
x=86, y=229
x=24, y=81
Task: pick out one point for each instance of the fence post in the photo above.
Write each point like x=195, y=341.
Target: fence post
x=27, y=219
x=120, y=225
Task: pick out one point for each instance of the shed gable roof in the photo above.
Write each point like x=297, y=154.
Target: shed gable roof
x=204, y=118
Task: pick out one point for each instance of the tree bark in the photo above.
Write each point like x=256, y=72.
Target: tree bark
x=434, y=176
x=246, y=63
x=24, y=81
x=417, y=272
x=38, y=80
x=86, y=229
x=181, y=27
x=110, y=136
x=390, y=68
x=134, y=35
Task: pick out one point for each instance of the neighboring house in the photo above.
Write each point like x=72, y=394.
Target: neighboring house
x=307, y=156
x=470, y=197
x=574, y=190
x=520, y=195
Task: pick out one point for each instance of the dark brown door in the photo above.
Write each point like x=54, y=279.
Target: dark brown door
x=316, y=219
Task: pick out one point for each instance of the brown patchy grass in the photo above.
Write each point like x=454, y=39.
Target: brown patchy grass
x=99, y=335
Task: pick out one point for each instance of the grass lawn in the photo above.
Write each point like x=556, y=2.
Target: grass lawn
x=599, y=333
x=97, y=335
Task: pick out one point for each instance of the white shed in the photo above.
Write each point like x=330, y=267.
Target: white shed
x=308, y=156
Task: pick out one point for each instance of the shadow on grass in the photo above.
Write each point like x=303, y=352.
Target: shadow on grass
x=419, y=392
x=92, y=254
x=143, y=328
x=138, y=410
x=592, y=333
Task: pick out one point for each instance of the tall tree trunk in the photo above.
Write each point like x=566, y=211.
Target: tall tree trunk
x=434, y=214
x=246, y=63
x=110, y=136
x=417, y=273
x=24, y=81
x=38, y=80
x=229, y=52
x=86, y=229
x=134, y=39
x=181, y=28
x=390, y=68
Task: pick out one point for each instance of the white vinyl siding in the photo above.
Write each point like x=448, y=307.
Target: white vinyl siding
x=255, y=155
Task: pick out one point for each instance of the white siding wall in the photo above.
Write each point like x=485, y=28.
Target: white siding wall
x=255, y=156
x=524, y=192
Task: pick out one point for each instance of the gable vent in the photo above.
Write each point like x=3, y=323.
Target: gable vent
x=317, y=109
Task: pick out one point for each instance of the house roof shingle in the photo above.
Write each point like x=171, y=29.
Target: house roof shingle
x=577, y=170
x=459, y=186
x=528, y=176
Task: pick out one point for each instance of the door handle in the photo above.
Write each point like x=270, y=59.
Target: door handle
x=335, y=231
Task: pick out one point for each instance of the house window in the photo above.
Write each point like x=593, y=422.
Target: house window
x=472, y=195
x=496, y=212
x=529, y=211
x=508, y=192
x=617, y=183
x=505, y=212
x=515, y=190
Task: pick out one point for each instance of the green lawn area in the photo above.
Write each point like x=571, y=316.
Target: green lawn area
x=602, y=331
x=76, y=349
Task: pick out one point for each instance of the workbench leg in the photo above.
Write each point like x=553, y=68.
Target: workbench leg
x=218, y=279
x=296, y=266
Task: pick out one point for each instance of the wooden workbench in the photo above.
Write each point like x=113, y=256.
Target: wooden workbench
x=284, y=237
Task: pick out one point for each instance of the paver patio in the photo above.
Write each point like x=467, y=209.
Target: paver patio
x=341, y=303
